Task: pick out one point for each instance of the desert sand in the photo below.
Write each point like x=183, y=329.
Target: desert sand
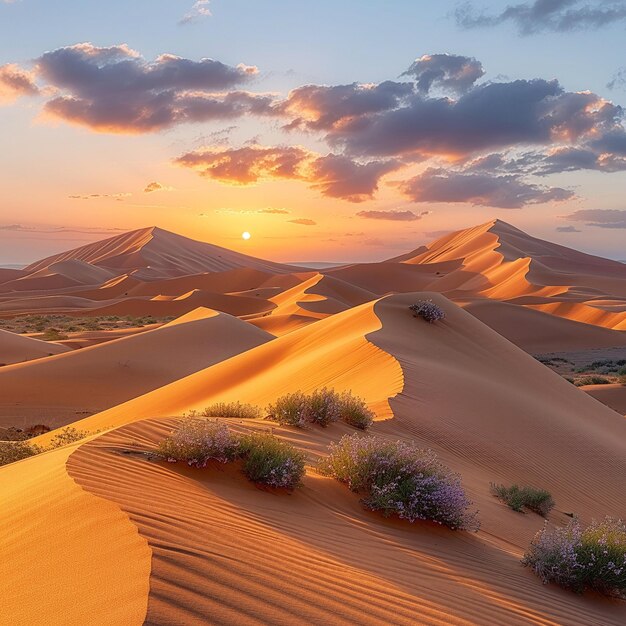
x=122, y=538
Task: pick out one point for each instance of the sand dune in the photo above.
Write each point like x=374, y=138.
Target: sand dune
x=614, y=396
x=16, y=348
x=101, y=376
x=457, y=387
x=537, y=332
x=156, y=253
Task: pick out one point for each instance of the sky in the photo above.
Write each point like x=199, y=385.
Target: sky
x=330, y=131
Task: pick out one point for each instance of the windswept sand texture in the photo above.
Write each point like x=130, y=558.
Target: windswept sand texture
x=98, y=533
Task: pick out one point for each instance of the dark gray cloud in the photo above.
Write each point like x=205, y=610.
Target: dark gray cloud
x=546, y=15
x=446, y=71
x=491, y=116
x=618, y=81
x=504, y=191
x=394, y=215
x=335, y=176
x=114, y=89
x=567, y=229
x=319, y=107
x=16, y=82
x=602, y=218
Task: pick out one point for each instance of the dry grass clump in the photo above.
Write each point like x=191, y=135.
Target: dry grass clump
x=12, y=451
x=322, y=407
x=232, y=409
x=538, y=500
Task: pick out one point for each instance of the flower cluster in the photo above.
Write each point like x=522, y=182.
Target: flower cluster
x=427, y=310
x=265, y=458
x=198, y=441
x=270, y=461
x=579, y=559
x=322, y=407
x=401, y=479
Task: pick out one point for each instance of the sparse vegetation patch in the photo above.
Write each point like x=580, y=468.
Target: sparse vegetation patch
x=538, y=500
x=232, y=409
x=400, y=479
x=581, y=558
x=427, y=310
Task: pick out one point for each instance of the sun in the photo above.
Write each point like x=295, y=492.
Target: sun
x=246, y=235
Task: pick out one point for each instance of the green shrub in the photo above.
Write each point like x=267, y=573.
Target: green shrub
x=67, y=435
x=232, y=409
x=401, y=479
x=592, y=380
x=538, y=500
x=322, y=407
x=355, y=412
x=289, y=410
x=198, y=441
x=11, y=451
x=269, y=461
x=579, y=559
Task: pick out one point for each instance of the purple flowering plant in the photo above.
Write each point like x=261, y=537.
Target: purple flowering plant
x=400, y=479
x=581, y=558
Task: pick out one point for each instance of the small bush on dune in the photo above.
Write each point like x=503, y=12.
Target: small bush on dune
x=12, y=451
x=591, y=380
x=322, y=407
x=579, y=559
x=428, y=310
x=538, y=500
x=198, y=441
x=354, y=411
x=290, y=409
x=232, y=409
x=401, y=479
x=269, y=461
x=68, y=435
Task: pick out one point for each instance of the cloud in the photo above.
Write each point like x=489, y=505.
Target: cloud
x=487, y=117
x=274, y=211
x=446, y=71
x=567, y=229
x=335, y=176
x=602, y=218
x=269, y=211
x=393, y=215
x=15, y=83
x=619, y=79
x=546, y=15
x=156, y=186
x=319, y=107
x=199, y=10
x=504, y=191
x=92, y=196
x=60, y=229
x=436, y=234
x=113, y=89
x=303, y=221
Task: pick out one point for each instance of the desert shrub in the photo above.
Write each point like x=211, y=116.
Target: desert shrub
x=198, y=441
x=537, y=500
x=354, y=411
x=11, y=451
x=579, y=559
x=322, y=407
x=427, y=310
x=401, y=479
x=269, y=461
x=232, y=409
x=66, y=435
x=592, y=380
x=290, y=409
